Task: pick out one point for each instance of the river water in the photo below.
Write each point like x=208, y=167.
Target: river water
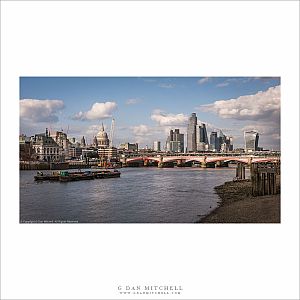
x=140, y=195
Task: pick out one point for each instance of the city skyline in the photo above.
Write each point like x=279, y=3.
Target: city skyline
x=147, y=108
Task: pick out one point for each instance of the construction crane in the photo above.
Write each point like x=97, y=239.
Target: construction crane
x=112, y=131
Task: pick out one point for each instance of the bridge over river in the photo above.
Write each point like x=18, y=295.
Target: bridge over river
x=203, y=160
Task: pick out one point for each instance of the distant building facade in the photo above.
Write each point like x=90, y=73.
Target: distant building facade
x=251, y=140
x=45, y=147
x=26, y=151
x=214, y=141
x=175, y=141
x=221, y=143
x=95, y=142
x=201, y=138
x=129, y=147
x=191, y=133
x=102, y=138
x=82, y=142
x=156, y=146
x=107, y=153
x=75, y=151
x=62, y=140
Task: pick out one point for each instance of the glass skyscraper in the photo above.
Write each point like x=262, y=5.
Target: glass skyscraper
x=214, y=141
x=251, y=140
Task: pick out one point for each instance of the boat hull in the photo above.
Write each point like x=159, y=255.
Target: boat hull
x=77, y=176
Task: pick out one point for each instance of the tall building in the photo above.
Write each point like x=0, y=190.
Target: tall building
x=251, y=140
x=82, y=142
x=156, y=146
x=191, y=133
x=203, y=134
x=229, y=143
x=201, y=138
x=214, y=141
x=175, y=141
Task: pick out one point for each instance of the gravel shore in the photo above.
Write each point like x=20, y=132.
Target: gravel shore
x=237, y=205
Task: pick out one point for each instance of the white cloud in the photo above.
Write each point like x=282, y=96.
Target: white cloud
x=263, y=106
x=164, y=119
x=92, y=130
x=203, y=80
x=99, y=110
x=141, y=130
x=132, y=101
x=35, y=110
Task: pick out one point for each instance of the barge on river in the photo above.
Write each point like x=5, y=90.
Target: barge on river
x=65, y=176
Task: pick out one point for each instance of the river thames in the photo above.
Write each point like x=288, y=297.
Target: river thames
x=140, y=195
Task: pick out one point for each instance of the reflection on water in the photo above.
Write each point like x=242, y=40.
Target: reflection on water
x=141, y=195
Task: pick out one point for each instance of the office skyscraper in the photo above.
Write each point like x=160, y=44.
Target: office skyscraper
x=214, y=141
x=191, y=133
x=251, y=140
x=203, y=134
x=175, y=141
x=156, y=146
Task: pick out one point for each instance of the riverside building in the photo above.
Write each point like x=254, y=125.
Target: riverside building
x=45, y=147
x=62, y=141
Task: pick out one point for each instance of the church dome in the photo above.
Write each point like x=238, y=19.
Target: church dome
x=102, y=138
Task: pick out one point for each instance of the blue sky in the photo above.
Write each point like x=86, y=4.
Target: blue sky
x=145, y=108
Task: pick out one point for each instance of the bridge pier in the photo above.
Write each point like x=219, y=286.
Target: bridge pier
x=160, y=163
x=180, y=163
x=250, y=162
x=203, y=163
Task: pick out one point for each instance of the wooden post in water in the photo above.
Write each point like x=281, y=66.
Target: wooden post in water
x=240, y=171
x=263, y=180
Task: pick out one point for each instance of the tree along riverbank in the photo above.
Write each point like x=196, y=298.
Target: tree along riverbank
x=237, y=205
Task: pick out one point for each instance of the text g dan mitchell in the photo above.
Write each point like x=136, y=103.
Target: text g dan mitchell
x=150, y=288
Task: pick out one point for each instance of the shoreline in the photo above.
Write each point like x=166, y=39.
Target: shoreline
x=237, y=205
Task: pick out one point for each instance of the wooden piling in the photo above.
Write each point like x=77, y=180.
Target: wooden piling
x=240, y=171
x=263, y=179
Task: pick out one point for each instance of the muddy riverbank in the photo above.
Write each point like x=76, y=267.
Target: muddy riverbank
x=237, y=205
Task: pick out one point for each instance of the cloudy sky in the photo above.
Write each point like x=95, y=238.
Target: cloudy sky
x=146, y=108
